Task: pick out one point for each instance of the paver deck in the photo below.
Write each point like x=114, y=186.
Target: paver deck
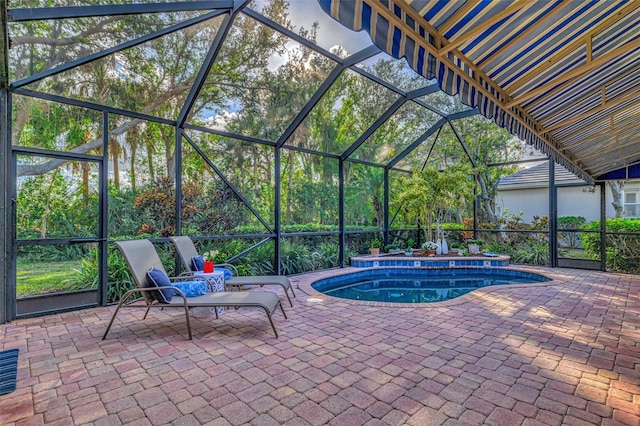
x=566, y=352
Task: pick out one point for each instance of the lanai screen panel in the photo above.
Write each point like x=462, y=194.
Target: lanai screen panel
x=54, y=126
x=394, y=71
x=403, y=128
x=259, y=82
x=152, y=78
x=39, y=46
x=228, y=168
x=309, y=188
x=351, y=105
x=141, y=177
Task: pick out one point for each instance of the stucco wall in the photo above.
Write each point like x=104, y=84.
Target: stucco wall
x=572, y=201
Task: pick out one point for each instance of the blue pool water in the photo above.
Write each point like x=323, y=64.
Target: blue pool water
x=419, y=285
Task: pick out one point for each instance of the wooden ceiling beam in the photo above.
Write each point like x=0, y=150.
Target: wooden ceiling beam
x=571, y=76
x=586, y=95
x=602, y=133
x=569, y=49
x=609, y=118
x=602, y=150
x=634, y=95
x=479, y=29
x=626, y=160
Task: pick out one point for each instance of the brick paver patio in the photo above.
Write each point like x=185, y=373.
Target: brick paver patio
x=563, y=353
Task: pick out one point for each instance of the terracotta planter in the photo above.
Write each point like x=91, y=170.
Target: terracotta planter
x=374, y=251
x=430, y=252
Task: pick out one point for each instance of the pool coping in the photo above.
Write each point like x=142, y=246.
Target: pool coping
x=303, y=283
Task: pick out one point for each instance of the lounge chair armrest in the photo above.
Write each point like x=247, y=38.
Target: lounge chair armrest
x=150, y=289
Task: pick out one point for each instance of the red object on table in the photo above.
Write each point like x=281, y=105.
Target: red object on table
x=208, y=266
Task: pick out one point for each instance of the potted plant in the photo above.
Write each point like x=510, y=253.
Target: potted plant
x=430, y=247
x=475, y=246
x=392, y=248
x=375, y=247
x=410, y=243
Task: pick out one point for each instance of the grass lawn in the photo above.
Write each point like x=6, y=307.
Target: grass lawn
x=573, y=254
x=34, y=278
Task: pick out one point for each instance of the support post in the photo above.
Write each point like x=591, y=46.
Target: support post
x=177, y=153
x=553, y=215
x=7, y=230
x=475, y=208
x=603, y=226
x=103, y=217
x=341, y=225
x=276, y=209
x=7, y=295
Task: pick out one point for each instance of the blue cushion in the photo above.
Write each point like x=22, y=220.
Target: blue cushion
x=227, y=273
x=197, y=263
x=192, y=288
x=157, y=278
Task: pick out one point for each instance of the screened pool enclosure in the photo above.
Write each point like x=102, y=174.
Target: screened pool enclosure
x=283, y=141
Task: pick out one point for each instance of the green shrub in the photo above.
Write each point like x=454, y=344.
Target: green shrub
x=531, y=253
x=623, y=251
x=119, y=278
x=295, y=258
x=570, y=239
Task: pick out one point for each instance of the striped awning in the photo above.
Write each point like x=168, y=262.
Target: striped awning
x=562, y=75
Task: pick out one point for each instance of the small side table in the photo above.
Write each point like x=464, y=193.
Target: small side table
x=215, y=283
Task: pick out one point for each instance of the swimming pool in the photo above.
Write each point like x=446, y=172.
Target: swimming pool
x=405, y=285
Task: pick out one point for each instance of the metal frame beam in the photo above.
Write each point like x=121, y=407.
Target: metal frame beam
x=40, y=13
x=341, y=222
x=431, y=149
x=93, y=106
x=463, y=114
x=277, y=200
x=230, y=135
x=463, y=144
x=603, y=226
x=385, y=219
